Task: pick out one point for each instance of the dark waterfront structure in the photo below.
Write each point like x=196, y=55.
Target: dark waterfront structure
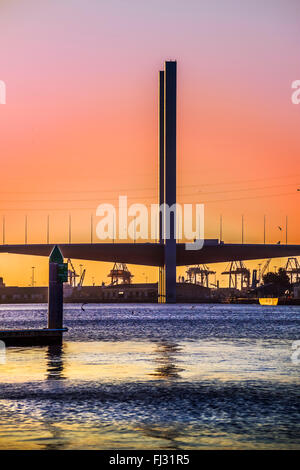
x=167, y=254
x=32, y=337
x=55, y=296
x=53, y=334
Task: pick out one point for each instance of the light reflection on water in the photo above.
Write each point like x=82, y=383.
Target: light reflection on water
x=153, y=377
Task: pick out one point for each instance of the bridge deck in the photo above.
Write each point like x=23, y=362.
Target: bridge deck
x=152, y=254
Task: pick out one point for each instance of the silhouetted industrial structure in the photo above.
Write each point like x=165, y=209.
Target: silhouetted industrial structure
x=72, y=275
x=292, y=268
x=238, y=273
x=199, y=274
x=262, y=271
x=120, y=272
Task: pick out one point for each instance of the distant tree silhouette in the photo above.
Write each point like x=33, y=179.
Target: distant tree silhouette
x=278, y=282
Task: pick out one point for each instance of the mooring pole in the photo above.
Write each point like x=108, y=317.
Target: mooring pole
x=58, y=274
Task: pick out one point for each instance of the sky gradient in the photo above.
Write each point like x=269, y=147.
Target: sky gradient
x=80, y=124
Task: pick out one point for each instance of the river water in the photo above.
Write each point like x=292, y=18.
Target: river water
x=153, y=377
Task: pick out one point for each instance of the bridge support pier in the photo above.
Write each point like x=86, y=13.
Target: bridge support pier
x=167, y=179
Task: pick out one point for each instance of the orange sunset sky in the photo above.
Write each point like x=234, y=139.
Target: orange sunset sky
x=80, y=122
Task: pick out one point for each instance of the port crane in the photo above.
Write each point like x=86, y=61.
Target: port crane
x=120, y=272
x=72, y=275
x=263, y=270
x=81, y=278
x=236, y=270
x=202, y=271
x=292, y=268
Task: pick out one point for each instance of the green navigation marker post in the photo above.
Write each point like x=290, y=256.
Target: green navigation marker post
x=58, y=274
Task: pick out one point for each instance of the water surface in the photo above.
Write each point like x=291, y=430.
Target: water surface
x=153, y=377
